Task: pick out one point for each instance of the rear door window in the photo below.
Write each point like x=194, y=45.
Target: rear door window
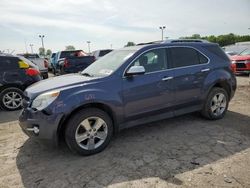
x=185, y=56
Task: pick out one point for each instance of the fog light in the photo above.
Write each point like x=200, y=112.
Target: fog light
x=35, y=129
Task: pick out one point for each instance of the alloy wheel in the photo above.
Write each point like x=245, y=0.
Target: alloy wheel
x=91, y=133
x=12, y=100
x=218, y=104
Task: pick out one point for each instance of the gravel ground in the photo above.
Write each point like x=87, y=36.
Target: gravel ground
x=186, y=151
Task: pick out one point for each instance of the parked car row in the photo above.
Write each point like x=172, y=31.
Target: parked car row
x=74, y=61
x=20, y=71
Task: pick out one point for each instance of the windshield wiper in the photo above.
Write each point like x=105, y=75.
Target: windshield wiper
x=87, y=74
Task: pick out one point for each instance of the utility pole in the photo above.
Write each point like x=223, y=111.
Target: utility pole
x=31, y=48
x=162, y=28
x=89, y=45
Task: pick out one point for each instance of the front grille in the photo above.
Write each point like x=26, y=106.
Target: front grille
x=241, y=65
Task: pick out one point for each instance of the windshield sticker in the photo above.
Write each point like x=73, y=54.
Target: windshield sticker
x=106, y=71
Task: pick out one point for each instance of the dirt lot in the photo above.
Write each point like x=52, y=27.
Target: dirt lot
x=187, y=151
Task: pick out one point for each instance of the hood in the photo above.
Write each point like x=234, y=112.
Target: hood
x=240, y=57
x=56, y=83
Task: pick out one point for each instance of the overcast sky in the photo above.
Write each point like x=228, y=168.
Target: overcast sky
x=106, y=22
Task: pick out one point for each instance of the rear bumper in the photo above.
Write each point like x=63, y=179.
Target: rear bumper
x=47, y=125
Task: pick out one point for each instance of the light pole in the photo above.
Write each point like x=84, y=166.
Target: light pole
x=162, y=29
x=31, y=47
x=111, y=46
x=89, y=45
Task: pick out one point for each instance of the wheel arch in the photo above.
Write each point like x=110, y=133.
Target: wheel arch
x=101, y=106
x=11, y=85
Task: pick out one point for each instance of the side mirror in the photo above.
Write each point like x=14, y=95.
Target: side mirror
x=135, y=70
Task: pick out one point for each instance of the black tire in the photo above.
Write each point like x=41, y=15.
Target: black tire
x=72, y=127
x=207, y=111
x=46, y=75
x=62, y=71
x=54, y=71
x=6, y=91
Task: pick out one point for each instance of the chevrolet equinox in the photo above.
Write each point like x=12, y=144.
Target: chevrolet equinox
x=127, y=87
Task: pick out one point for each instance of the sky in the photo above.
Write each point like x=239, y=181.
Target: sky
x=114, y=22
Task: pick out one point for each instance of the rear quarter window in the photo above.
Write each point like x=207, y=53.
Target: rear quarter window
x=186, y=56
x=216, y=50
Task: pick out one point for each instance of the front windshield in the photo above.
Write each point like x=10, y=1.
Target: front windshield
x=245, y=52
x=108, y=63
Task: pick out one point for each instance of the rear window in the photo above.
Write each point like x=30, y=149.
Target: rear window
x=184, y=56
x=31, y=56
x=69, y=53
x=218, y=52
x=8, y=63
x=104, y=52
x=31, y=64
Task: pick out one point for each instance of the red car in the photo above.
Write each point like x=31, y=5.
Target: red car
x=241, y=62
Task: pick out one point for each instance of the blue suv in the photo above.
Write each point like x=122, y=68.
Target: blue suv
x=127, y=87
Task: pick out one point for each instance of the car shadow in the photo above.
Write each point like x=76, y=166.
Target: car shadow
x=8, y=116
x=161, y=149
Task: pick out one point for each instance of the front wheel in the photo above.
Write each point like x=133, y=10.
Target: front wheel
x=89, y=131
x=216, y=104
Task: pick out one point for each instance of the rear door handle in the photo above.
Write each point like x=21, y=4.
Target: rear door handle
x=205, y=70
x=167, y=78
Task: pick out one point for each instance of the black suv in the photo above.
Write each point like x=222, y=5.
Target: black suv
x=16, y=74
x=127, y=87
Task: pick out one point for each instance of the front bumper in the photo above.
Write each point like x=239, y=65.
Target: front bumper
x=47, y=125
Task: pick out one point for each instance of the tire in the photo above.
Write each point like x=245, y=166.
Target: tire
x=212, y=109
x=54, y=71
x=62, y=71
x=74, y=130
x=11, y=94
x=45, y=75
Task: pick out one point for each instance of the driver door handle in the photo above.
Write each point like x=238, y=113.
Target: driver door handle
x=167, y=78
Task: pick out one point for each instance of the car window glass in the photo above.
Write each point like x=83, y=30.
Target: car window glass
x=7, y=63
x=104, y=52
x=183, y=56
x=152, y=61
x=202, y=58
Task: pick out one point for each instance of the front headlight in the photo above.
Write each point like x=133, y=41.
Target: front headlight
x=44, y=100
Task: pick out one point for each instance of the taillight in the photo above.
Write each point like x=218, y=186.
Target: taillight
x=66, y=63
x=233, y=67
x=248, y=61
x=32, y=72
x=46, y=64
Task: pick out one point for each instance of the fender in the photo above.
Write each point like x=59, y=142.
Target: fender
x=221, y=77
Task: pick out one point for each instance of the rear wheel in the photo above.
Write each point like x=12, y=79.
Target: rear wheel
x=89, y=131
x=11, y=99
x=216, y=104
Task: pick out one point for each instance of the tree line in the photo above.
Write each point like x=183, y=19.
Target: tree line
x=222, y=40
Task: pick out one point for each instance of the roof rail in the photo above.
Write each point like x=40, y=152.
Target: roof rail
x=145, y=43
x=185, y=40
